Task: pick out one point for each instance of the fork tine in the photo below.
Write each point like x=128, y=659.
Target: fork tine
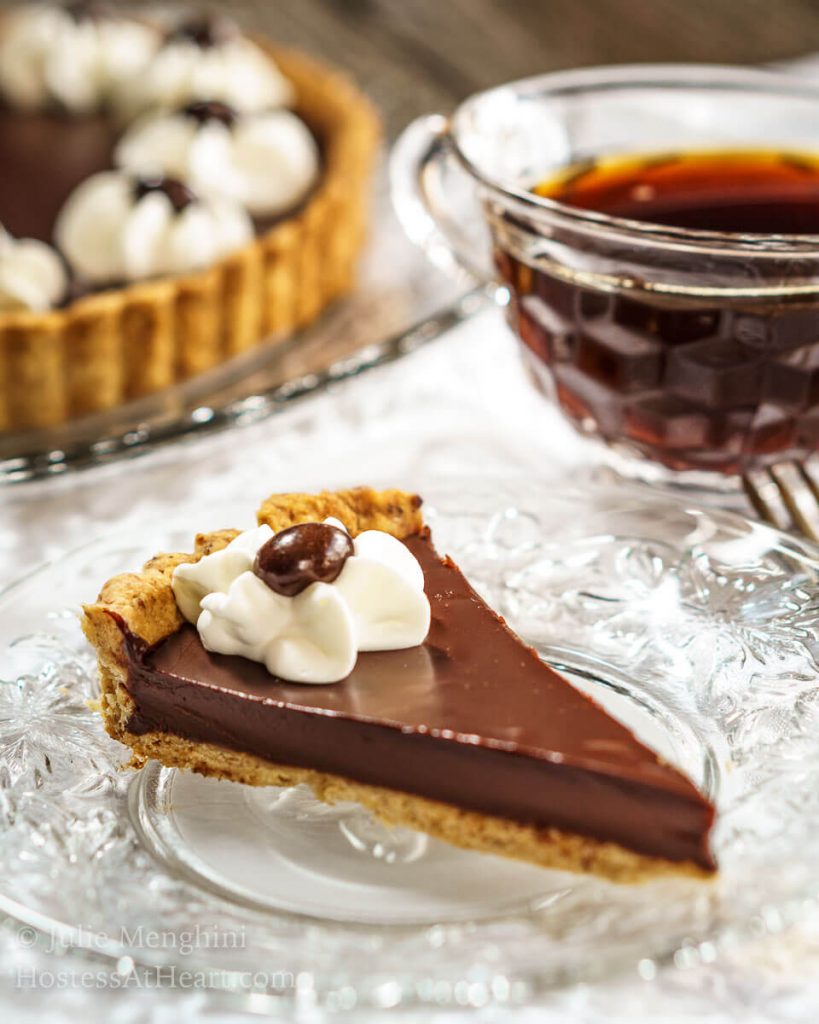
x=809, y=471
x=799, y=495
x=764, y=495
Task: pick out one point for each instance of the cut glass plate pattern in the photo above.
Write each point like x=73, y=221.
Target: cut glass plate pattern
x=697, y=628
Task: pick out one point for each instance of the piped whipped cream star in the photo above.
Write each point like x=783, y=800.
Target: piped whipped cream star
x=215, y=572
x=114, y=227
x=383, y=585
x=32, y=275
x=74, y=57
x=376, y=603
x=208, y=60
x=266, y=161
x=309, y=638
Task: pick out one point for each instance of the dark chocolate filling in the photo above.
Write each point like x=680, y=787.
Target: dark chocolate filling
x=44, y=157
x=471, y=718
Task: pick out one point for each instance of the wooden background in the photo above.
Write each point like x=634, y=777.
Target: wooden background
x=416, y=56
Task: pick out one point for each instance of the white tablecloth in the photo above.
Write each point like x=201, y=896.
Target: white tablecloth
x=462, y=405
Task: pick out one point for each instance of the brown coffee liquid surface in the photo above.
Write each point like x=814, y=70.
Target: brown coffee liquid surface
x=695, y=382
x=746, y=192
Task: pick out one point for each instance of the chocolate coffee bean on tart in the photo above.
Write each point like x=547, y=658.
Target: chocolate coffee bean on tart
x=310, y=553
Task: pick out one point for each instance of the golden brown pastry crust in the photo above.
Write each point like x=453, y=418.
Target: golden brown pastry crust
x=144, y=603
x=360, y=509
x=108, y=348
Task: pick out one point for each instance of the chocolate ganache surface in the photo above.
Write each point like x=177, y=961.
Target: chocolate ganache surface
x=44, y=156
x=472, y=718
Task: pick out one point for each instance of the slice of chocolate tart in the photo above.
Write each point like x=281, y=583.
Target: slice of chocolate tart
x=467, y=736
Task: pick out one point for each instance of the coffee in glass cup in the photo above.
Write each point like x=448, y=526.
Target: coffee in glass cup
x=655, y=231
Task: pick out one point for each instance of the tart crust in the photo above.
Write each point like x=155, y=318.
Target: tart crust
x=110, y=347
x=144, y=603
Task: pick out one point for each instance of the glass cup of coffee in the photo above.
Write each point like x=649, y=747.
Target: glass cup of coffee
x=654, y=233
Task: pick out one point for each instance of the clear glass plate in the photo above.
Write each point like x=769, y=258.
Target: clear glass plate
x=697, y=627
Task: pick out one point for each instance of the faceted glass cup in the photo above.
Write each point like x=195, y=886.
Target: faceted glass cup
x=693, y=353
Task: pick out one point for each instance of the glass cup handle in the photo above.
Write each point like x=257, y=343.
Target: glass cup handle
x=418, y=166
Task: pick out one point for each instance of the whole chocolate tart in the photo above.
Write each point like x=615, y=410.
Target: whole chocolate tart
x=104, y=348
x=469, y=737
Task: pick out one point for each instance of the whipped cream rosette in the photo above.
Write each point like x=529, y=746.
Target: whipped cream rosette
x=207, y=57
x=117, y=227
x=75, y=57
x=306, y=601
x=266, y=161
x=32, y=275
